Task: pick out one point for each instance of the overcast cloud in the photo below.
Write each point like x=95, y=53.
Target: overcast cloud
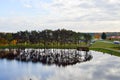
x=77, y=15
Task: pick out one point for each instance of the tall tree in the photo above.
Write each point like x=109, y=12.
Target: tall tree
x=103, y=36
x=9, y=37
x=87, y=39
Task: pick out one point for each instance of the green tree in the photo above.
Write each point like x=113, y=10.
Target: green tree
x=9, y=37
x=103, y=36
x=87, y=39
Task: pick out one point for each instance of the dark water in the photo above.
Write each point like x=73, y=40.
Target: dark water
x=101, y=67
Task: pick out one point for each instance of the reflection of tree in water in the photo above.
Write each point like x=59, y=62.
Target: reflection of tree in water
x=59, y=57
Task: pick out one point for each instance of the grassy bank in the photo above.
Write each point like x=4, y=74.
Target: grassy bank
x=106, y=48
x=112, y=52
x=65, y=46
x=110, y=48
x=99, y=44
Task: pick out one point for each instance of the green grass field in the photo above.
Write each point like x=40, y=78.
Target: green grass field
x=110, y=48
x=100, y=44
x=112, y=52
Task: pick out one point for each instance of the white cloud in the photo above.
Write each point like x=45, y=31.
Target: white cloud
x=85, y=15
x=82, y=10
x=39, y=23
x=114, y=1
x=27, y=6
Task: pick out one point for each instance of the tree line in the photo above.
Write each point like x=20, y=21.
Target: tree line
x=45, y=37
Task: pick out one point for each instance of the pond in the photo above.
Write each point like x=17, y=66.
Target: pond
x=100, y=67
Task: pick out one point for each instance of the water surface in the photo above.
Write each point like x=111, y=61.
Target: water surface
x=101, y=67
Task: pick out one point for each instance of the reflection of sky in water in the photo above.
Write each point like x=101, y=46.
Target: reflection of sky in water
x=101, y=67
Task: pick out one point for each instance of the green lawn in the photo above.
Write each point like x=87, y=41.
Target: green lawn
x=100, y=44
x=106, y=48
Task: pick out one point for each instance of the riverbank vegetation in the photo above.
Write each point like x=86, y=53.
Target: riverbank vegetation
x=57, y=39
x=42, y=46
x=108, y=51
x=44, y=39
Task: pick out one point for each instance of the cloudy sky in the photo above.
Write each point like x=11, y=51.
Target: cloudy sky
x=77, y=15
